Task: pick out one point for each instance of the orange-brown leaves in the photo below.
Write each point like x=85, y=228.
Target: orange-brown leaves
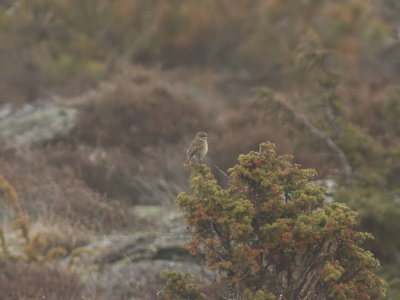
x=193, y=245
x=286, y=238
x=253, y=255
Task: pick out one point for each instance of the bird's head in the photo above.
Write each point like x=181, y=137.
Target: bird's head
x=201, y=135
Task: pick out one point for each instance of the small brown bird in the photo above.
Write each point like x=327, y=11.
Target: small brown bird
x=198, y=148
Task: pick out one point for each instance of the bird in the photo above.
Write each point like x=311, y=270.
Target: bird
x=198, y=148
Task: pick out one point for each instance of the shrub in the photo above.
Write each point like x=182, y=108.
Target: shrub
x=271, y=235
x=140, y=109
x=178, y=288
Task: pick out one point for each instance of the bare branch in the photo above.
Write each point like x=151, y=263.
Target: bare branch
x=316, y=132
x=329, y=142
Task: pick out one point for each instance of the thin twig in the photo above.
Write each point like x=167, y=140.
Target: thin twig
x=222, y=172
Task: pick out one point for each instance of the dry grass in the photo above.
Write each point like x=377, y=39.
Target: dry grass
x=21, y=281
x=54, y=194
x=156, y=175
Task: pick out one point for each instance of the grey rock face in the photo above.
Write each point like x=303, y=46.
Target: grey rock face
x=27, y=125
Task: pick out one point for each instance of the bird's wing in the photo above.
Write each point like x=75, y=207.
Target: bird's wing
x=193, y=149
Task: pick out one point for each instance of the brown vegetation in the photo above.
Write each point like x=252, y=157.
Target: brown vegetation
x=142, y=109
x=198, y=62
x=131, y=129
x=22, y=281
x=54, y=195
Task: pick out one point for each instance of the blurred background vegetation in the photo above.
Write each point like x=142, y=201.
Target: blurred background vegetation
x=100, y=98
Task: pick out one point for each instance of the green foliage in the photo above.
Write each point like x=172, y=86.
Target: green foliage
x=270, y=233
x=178, y=288
x=258, y=295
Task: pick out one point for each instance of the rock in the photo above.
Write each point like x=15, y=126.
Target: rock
x=330, y=186
x=164, y=240
x=128, y=266
x=141, y=280
x=27, y=125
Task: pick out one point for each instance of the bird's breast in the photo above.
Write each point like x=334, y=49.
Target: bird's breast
x=204, y=149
